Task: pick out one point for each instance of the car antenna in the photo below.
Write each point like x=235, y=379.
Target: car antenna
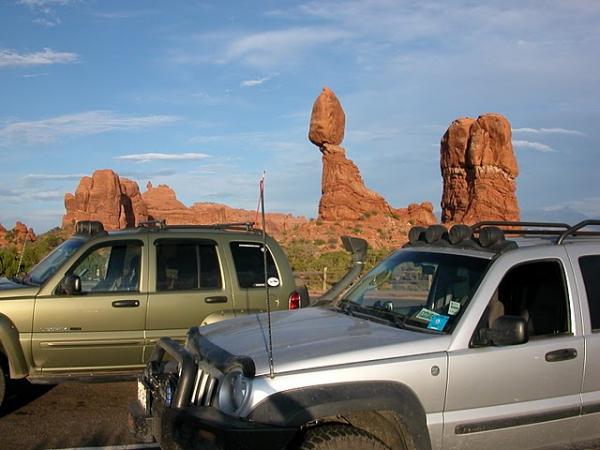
x=266, y=273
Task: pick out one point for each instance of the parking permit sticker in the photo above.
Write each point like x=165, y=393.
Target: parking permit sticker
x=453, y=308
x=425, y=315
x=438, y=322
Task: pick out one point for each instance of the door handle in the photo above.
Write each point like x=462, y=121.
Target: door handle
x=217, y=299
x=561, y=355
x=126, y=303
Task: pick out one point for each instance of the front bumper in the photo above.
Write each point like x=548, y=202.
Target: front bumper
x=177, y=424
x=204, y=427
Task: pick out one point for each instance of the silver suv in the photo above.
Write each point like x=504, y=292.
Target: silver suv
x=463, y=339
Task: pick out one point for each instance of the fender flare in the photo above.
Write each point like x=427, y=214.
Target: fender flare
x=217, y=316
x=297, y=407
x=10, y=346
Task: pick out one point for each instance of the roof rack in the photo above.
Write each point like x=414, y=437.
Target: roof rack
x=574, y=230
x=489, y=235
x=162, y=225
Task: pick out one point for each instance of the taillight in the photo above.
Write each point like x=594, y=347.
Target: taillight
x=294, y=301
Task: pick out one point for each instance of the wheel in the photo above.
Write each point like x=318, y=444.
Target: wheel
x=3, y=379
x=340, y=437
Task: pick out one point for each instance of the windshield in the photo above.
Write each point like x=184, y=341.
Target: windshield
x=53, y=261
x=425, y=291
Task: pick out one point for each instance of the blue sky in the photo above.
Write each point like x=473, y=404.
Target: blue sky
x=204, y=96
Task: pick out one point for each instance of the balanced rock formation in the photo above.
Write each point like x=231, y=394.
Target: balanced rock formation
x=344, y=194
x=114, y=201
x=479, y=169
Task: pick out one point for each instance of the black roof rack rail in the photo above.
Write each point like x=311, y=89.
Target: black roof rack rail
x=162, y=225
x=548, y=228
x=153, y=224
x=574, y=230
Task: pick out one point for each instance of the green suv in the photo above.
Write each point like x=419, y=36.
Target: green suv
x=96, y=306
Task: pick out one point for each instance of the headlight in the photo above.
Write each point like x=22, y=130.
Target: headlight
x=234, y=392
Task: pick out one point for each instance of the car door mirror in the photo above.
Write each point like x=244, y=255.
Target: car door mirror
x=71, y=285
x=506, y=330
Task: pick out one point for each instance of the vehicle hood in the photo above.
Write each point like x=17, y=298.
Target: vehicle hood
x=9, y=288
x=317, y=337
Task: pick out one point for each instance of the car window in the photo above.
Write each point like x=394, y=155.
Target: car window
x=249, y=265
x=185, y=265
x=112, y=267
x=590, y=269
x=53, y=261
x=535, y=291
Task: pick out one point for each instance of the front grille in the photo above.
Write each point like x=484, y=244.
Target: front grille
x=205, y=388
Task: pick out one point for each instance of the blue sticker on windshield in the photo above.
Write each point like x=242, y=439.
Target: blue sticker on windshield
x=438, y=322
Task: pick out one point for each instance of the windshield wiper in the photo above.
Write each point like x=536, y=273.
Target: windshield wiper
x=23, y=279
x=372, y=313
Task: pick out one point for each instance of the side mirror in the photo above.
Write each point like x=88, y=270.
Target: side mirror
x=506, y=330
x=71, y=285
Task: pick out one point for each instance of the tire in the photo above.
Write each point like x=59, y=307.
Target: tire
x=3, y=380
x=340, y=437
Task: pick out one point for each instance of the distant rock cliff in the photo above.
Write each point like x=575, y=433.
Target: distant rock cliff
x=114, y=201
x=17, y=236
x=118, y=203
x=479, y=171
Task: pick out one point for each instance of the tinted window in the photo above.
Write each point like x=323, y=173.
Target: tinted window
x=184, y=265
x=110, y=268
x=249, y=264
x=535, y=291
x=590, y=269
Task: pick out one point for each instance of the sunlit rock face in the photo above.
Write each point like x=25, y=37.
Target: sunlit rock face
x=479, y=171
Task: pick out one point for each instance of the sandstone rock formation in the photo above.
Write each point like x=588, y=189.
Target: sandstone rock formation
x=344, y=194
x=327, y=120
x=17, y=236
x=479, y=169
x=118, y=203
x=115, y=202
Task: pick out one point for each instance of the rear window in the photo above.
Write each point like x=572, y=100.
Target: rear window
x=590, y=269
x=185, y=265
x=249, y=265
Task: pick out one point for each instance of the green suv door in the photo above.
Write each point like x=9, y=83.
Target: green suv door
x=102, y=325
x=187, y=287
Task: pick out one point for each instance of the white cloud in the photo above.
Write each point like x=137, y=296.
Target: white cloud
x=257, y=82
x=47, y=22
x=45, y=3
x=51, y=177
x=80, y=124
x=35, y=75
x=30, y=195
x=270, y=48
x=8, y=58
x=537, y=146
x=145, y=157
x=548, y=131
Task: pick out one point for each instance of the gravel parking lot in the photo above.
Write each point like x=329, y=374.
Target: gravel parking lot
x=71, y=415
